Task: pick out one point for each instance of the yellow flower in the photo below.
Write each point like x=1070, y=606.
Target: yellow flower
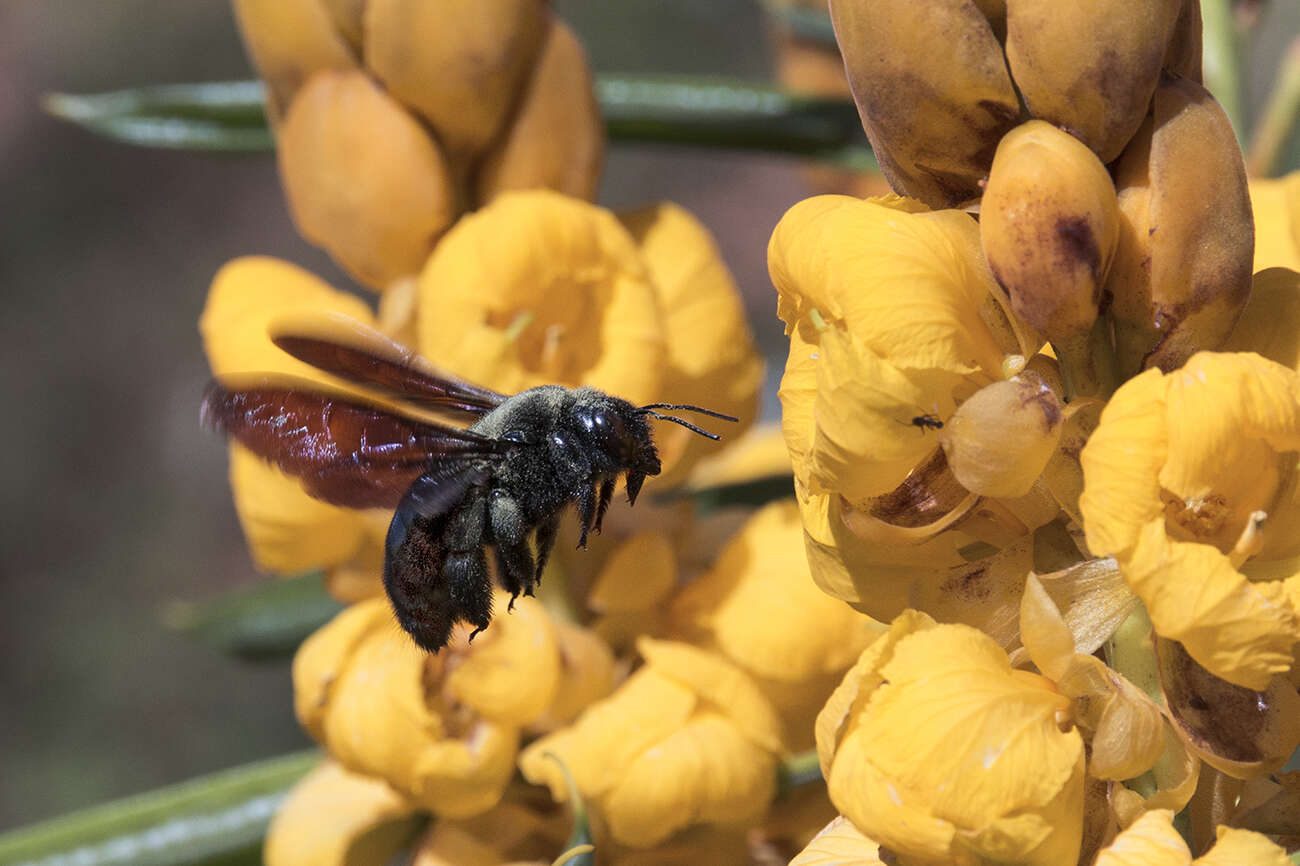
x=759, y=607
x=288, y=531
x=1270, y=322
x=839, y=842
x=568, y=301
x=1187, y=477
x=711, y=357
x=934, y=747
x=441, y=729
x=1276, y=204
x=513, y=831
x=687, y=739
x=1153, y=841
x=337, y=818
x=640, y=306
x=392, y=119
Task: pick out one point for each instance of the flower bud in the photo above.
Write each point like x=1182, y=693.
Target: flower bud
x=1182, y=271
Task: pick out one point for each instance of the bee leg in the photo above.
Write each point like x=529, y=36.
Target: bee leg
x=606, y=494
x=545, y=543
x=509, y=531
x=465, y=567
x=586, y=513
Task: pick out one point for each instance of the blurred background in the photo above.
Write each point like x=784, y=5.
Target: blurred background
x=113, y=500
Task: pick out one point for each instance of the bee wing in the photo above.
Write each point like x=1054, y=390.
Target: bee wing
x=343, y=452
x=364, y=356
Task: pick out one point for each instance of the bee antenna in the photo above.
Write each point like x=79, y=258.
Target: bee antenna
x=687, y=407
x=687, y=424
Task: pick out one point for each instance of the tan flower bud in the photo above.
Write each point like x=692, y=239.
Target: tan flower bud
x=288, y=40
x=932, y=89
x=1182, y=271
x=1089, y=68
x=363, y=179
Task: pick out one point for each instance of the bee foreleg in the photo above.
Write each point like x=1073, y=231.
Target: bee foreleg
x=509, y=532
x=586, y=513
x=606, y=494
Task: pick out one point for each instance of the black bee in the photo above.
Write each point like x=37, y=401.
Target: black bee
x=502, y=483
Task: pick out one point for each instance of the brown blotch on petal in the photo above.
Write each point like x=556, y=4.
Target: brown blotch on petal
x=1213, y=714
x=925, y=496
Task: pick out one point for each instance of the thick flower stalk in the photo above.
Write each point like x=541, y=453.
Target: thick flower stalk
x=392, y=118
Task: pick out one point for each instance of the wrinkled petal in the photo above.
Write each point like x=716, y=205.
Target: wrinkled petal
x=705, y=771
x=1234, y=846
x=568, y=301
x=336, y=818
x=839, y=844
x=512, y=674
x=1150, y=841
x=711, y=359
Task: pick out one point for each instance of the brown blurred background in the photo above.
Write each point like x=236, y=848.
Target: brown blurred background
x=113, y=501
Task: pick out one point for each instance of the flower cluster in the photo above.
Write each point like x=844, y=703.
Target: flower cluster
x=1036, y=591
x=1032, y=401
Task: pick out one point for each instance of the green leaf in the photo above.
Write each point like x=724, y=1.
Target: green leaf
x=754, y=492
x=659, y=109
x=265, y=621
x=215, y=819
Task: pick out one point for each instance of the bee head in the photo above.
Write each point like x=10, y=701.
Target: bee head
x=619, y=431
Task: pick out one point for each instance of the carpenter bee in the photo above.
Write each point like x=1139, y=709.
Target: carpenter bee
x=501, y=483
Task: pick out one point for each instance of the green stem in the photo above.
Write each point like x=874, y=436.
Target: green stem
x=1278, y=119
x=580, y=837
x=219, y=818
x=797, y=771
x=1131, y=652
x=1221, y=53
x=652, y=109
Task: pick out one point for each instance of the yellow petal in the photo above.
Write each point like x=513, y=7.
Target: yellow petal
x=1276, y=205
x=599, y=747
x=1044, y=632
x=324, y=655
x=760, y=578
x=586, y=674
x=568, y=301
x=711, y=358
x=705, y=771
x=758, y=453
x=860, y=683
x=1270, y=322
x=336, y=818
x=719, y=684
x=250, y=293
x=956, y=740
x=512, y=673
x=364, y=180
x=839, y=844
x=1000, y=438
x=1150, y=841
x=289, y=532
x=1235, y=846
x=906, y=284
x=639, y=574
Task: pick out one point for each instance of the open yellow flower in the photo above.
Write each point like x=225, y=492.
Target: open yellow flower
x=936, y=748
x=687, y=739
x=759, y=607
x=1185, y=479
x=441, y=729
x=1153, y=841
x=640, y=306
